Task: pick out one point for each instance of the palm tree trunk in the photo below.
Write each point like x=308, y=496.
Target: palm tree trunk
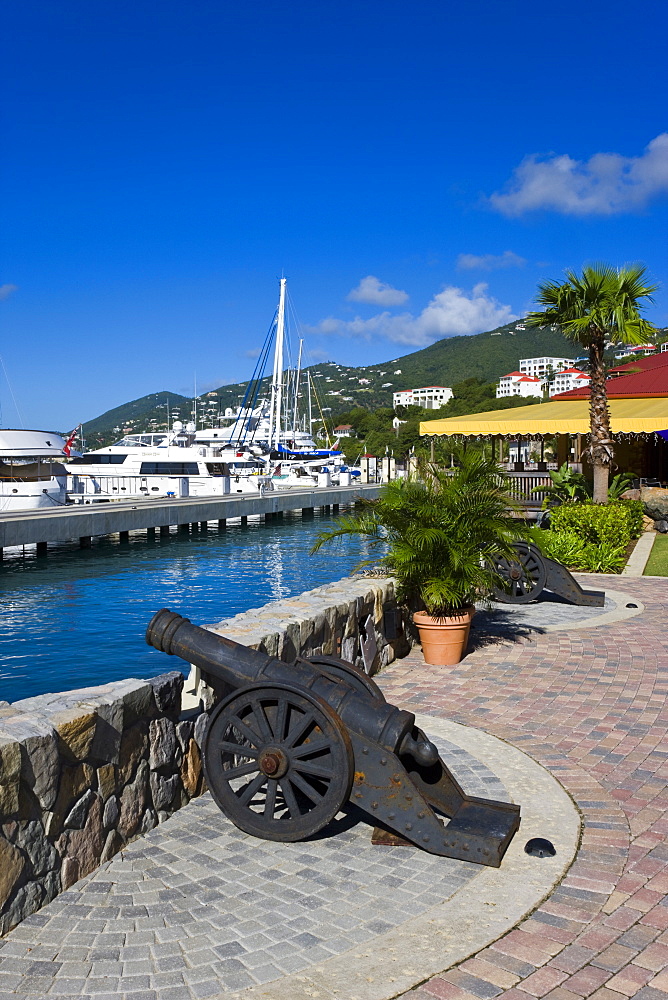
x=600, y=442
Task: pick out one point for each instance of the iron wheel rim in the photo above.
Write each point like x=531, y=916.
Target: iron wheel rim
x=525, y=575
x=303, y=736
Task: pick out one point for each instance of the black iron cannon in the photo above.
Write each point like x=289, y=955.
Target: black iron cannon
x=290, y=744
x=529, y=572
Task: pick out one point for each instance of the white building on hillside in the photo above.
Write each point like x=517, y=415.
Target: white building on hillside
x=519, y=384
x=541, y=367
x=431, y=397
x=641, y=351
x=570, y=378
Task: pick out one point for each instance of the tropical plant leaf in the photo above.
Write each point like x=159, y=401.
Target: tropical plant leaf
x=441, y=529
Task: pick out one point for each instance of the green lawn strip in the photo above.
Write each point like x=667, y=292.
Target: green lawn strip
x=657, y=564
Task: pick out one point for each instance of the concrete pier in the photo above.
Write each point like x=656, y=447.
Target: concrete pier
x=86, y=521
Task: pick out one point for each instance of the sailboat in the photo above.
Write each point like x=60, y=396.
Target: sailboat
x=293, y=454
x=273, y=428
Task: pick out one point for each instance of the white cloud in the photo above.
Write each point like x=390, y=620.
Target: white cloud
x=377, y=293
x=7, y=290
x=489, y=261
x=252, y=352
x=605, y=184
x=452, y=312
x=314, y=356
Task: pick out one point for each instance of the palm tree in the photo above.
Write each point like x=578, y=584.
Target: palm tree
x=603, y=303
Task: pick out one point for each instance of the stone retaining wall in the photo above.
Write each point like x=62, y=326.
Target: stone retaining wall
x=355, y=618
x=85, y=772
x=81, y=774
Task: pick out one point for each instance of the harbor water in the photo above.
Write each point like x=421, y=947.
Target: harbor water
x=77, y=617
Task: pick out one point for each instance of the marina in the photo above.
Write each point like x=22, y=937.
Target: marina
x=84, y=522
x=78, y=617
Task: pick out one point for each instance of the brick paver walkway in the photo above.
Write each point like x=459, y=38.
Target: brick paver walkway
x=590, y=705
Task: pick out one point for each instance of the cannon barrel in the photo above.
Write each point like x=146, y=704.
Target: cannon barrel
x=239, y=666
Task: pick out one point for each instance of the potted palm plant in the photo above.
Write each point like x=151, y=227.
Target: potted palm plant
x=440, y=532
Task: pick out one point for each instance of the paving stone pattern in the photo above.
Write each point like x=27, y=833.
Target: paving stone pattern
x=197, y=907
x=521, y=620
x=591, y=706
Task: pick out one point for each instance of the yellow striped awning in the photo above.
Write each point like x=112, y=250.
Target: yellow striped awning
x=627, y=416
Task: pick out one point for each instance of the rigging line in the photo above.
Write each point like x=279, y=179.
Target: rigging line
x=11, y=392
x=253, y=391
x=311, y=363
x=260, y=367
x=297, y=322
x=256, y=377
x=322, y=415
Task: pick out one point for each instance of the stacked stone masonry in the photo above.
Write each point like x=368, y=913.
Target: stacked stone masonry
x=82, y=774
x=85, y=772
x=354, y=618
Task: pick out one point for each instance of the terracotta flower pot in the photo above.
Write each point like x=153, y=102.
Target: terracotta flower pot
x=444, y=639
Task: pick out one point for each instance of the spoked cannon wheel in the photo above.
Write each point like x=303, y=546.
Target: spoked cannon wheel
x=278, y=762
x=524, y=576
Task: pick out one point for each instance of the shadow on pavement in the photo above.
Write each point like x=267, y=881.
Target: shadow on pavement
x=499, y=624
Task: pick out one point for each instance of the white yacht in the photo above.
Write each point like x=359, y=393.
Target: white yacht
x=31, y=473
x=167, y=464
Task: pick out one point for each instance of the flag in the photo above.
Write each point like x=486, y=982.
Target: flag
x=70, y=440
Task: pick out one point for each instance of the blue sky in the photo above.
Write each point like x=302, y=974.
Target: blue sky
x=414, y=169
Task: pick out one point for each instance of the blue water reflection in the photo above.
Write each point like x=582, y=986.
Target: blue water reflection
x=78, y=617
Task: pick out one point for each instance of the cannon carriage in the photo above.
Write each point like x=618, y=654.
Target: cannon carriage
x=525, y=575
x=290, y=745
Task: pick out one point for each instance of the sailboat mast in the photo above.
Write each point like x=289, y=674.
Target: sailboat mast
x=310, y=408
x=296, y=402
x=277, y=377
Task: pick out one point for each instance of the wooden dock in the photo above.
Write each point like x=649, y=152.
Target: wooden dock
x=86, y=521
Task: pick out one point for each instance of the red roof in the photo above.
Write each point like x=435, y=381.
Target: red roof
x=643, y=364
x=646, y=377
x=512, y=373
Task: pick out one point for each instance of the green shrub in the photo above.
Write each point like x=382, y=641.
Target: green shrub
x=603, y=558
x=634, y=513
x=590, y=537
x=564, y=547
x=598, y=524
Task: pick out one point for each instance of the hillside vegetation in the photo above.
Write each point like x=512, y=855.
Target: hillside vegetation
x=375, y=434
x=338, y=388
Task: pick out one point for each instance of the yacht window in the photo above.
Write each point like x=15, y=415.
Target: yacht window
x=169, y=469
x=92, y=459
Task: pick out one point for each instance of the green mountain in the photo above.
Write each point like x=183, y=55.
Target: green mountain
x=139, y=415
x=339, y=388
